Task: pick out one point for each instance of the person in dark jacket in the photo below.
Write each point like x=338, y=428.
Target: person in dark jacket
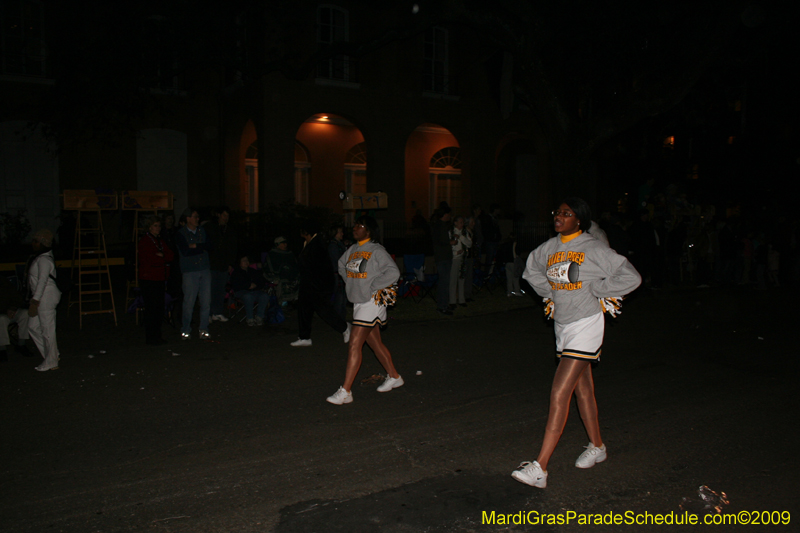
x=222, y=257
x=316, y=286
x=154, y=259
x=248, y=285
x=193, y=247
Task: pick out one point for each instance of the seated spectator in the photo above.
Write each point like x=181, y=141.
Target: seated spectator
x=249, y=286
x=282, y=270
x=12, y=310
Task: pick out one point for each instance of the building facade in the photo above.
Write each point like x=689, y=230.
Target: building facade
x=299, y=104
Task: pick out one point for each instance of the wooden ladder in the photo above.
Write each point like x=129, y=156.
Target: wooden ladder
x=90, y=260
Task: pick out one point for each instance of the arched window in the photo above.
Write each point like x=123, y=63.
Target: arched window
x=447, y=158
x=251, y=178
x=445, y=176
x=355, y=169
x=355, y=174
x=302, y=168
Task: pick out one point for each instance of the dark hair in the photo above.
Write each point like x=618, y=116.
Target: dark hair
x=149, y=221
x=372, y=227
x=189, y=211
x=333, y=230
x=581, y=210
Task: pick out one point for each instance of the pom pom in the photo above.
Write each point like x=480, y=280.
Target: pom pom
x=611, y=305
x=548, y=308
x=387, y=296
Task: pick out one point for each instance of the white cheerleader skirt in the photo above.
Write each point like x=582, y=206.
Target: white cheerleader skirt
x=368, y=314
x=582, y=339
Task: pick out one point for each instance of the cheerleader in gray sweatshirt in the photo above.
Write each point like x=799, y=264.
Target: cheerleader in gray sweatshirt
x=575, y=273
x=369, y=272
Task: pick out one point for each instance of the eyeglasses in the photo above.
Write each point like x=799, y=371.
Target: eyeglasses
x=559, y=213
x=359, y=226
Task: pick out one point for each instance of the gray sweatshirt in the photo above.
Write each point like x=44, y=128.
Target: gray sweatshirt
x=575, y=274
x=367, y=269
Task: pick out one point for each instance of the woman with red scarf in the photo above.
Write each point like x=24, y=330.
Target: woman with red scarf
x=154, y=259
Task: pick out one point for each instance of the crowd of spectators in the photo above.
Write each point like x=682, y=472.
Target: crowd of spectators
x=673, y=239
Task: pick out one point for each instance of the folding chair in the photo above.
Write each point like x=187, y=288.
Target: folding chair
x=416, y=283
x=492, y=279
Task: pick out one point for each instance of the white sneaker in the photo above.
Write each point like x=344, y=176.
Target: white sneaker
x=251, y=322
x=45, y=368
x=186, y=336
x=204, y=334
x=301, y=342
x=346, y=333
x=530, y=474
x=340, y=396
x=259, y=321
x=391, y=383
x=591, y=456
x=221, y=318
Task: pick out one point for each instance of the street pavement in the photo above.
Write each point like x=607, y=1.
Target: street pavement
x=695, y=387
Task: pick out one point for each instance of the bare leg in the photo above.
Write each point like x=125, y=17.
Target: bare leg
x=567, y=375
x=357, y=338
x=587, y=406
x=381, y=352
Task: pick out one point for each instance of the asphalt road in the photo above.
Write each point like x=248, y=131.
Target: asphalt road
x=695, y=387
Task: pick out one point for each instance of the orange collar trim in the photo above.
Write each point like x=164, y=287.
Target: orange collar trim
x=566, y=238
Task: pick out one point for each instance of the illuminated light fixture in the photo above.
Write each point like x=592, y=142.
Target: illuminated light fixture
x=324, y=117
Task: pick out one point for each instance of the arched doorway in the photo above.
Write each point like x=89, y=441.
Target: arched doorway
x=429, y=145
x=250, y=189
x=248, y=180
x=355, y=174
x=335, y=154
x=302, y=168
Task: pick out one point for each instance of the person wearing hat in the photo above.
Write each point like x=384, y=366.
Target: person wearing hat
x=282, y=270
x=193, y=246
x=40, y=275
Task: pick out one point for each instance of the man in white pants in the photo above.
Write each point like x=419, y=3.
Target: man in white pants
x=44, y=299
